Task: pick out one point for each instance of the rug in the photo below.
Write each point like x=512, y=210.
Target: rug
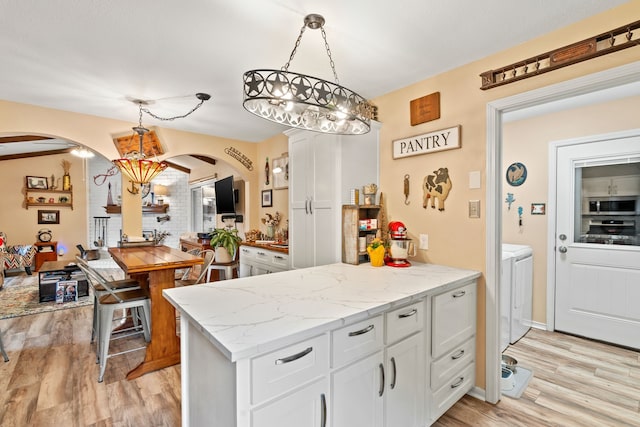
x=19, y=297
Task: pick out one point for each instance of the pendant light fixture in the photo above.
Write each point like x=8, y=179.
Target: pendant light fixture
x=134, y=165
x=305, y=102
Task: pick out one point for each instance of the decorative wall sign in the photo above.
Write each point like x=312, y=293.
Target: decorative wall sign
x=516, y=174
x=440, y=140
x=537, y=208
x=436, y=186
x=425, y=109
x=246, y=162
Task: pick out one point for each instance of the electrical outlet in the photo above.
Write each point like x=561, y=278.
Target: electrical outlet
x=424, y=241
x=474, y=208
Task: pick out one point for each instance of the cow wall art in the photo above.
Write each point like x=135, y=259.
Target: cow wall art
x=436, y=187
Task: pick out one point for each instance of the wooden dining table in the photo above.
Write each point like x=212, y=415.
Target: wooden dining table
x=154, y=268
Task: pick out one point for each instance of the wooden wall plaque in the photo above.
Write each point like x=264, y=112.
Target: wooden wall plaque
x=425, y=109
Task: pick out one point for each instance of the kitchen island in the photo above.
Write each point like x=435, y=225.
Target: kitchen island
x=314, y=346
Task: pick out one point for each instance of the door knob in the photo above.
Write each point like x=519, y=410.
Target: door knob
x=562, y=237
x=562, y=249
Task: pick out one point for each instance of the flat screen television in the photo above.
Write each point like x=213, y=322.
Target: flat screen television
x=225, y=200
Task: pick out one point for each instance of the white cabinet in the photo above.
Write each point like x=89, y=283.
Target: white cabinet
x=256, y=261
x=322, y=169
x=304, y=407
x=384, y=386
x=453, y=328
x=628, y=185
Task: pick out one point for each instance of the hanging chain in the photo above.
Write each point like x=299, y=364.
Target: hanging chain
x=285, y=67
x=169, y=118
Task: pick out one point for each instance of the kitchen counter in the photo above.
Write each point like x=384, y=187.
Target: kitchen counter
x=270, y=247
x=257, y=314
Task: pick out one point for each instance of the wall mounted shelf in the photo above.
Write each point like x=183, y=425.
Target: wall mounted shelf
x=35, y=193
x=153, y=209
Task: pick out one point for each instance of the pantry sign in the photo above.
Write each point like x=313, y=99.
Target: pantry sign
x=440, y=140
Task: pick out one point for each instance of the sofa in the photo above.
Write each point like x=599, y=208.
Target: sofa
x=16, y=256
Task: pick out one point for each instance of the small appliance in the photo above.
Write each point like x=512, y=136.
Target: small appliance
x=400, y=248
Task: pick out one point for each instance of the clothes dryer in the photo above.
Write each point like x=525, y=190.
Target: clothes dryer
x=521, y=285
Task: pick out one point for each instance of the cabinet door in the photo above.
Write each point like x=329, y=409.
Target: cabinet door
x=300, y=220
x=357, y=394
x=404, y=394
x=595, y=187
x=454, y=318
x=304, y=407
x=626, y=186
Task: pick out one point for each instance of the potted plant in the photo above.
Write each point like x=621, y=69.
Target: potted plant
x=225, y=242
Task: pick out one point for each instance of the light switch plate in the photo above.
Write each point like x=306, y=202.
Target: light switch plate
x=474, y=208
x=424, y=241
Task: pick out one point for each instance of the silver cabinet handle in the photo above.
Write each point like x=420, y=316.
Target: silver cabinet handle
x=458, y=355
x=306, y=206
x=361, y=331
x=393, y=365
x=311, y=205
x=246, y=251
x=294, y=356
x=459, y=294
x=260, y=253
x=409, y=314
x=278, y=257
x=323, y=414
x=458, y=383
x=381, y=391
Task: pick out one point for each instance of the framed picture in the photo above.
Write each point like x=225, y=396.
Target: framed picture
x=537, y=208
x=37, y=182
x=280, y=172
x=267, y=198
x=48, y=217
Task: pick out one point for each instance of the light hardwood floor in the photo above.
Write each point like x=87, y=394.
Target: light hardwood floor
x=51, y=380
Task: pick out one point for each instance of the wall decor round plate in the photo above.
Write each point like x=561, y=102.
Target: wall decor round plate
x=516, y=174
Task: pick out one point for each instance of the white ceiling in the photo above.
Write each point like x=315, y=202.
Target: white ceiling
x=95, y=56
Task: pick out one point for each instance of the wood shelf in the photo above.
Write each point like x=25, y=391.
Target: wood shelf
x=33, y=192
x=351, y=233
x=154, y=209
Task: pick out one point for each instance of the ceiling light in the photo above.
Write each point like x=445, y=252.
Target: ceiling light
x=82, y=152
x=305, y=102
x=134, y=165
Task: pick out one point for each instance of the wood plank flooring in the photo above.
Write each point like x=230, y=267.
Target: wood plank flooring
x=51, y=380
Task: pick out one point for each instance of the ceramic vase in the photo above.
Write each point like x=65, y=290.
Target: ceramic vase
x=376, y=256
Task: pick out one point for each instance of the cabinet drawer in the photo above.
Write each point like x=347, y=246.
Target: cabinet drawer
x=447, y=395
x=404, y=321
x=247, y=253
x=454, y=318
x=355, y=341
x=446, y=367
x=280, y=260
x=284, y=369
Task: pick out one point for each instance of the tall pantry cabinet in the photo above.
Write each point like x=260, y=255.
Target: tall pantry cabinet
x=323, y=168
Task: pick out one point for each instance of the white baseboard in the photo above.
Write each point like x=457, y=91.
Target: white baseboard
x=538, y=325
x=478, y=393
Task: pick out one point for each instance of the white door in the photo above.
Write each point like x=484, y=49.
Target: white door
x=597, y=286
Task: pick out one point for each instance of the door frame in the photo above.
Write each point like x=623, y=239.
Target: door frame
x=603, y=80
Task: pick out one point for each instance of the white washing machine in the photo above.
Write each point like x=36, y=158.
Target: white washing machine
x=516, y=296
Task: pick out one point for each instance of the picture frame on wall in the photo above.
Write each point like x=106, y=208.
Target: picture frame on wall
x=538, y=208
x=267, y=198
x=280, y=172
x=37, y=183
x=48, y=217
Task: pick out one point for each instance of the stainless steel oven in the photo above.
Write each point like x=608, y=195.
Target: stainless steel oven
x=611, y=232
x=613, y=205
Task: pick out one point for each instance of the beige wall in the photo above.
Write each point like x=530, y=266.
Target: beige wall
x=20, y=224
x=272, y=148
x=527, y=142
x=455, y=239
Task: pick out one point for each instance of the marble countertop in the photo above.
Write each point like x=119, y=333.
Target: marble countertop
x=253, y=315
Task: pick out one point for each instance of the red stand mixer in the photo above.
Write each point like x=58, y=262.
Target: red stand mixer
x=400, y=248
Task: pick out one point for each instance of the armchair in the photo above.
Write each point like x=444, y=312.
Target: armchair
x=16, y=256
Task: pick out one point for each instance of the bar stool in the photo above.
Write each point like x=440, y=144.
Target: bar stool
x=135, y=300
x=4, y=353
x=98, y=290
x=226, y=267
x=208, y=256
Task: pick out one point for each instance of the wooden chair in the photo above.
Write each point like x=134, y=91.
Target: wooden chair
x=209, y=256
x=135, y=300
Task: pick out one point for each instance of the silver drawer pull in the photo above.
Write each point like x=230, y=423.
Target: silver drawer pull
x=458, y=355
x=458, y=383
x=261, y=253
x=278, y=257
x=323, y=414
x=361, y=331
x=381, y=391
x=459, y=294
x=245, y=251
x=293, y=357
x=409, y=314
